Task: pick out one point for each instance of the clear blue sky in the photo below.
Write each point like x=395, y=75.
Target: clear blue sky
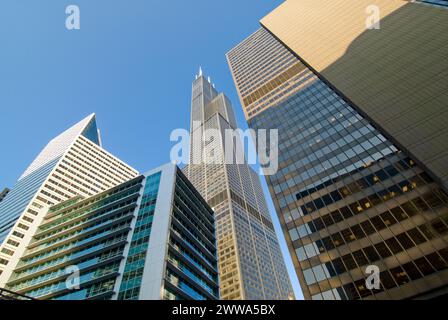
x=132, y=63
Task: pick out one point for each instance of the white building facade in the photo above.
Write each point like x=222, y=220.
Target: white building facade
x=72, y=164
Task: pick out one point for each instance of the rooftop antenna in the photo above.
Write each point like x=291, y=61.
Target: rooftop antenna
x=200, y=71
x=208, y=79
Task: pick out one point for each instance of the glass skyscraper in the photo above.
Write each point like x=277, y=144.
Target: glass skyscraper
x=386, y=57
x=150, y=238
x=72, y=164
x=251, y=265
x=347, y=197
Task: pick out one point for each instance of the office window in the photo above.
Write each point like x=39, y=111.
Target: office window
x=303, y=230
x=444, y=254
x=328, y=220
x=399, y=275
x=346, y=213
x=426, y=231
x=386, y=280
x=371, y=253
x=398, y=214
x=378, y=223
x=349, y=262
x=320, y=273
x=432, y=200
x=439, y=226
x=383, y=250
x=420, y=204
x=13, y=243
x=332, y=272
x=335, y=195
x=327, y=199
x=412, y=271
x=405, y=241
x=368, y=227
x=394, y=245
x=357, y=231
x=360, y=258
x=436, y=261
x=348, y=235
x=337, y=239
x=18, y=234
x=351, y=291
x=362, y=290
x=416, y=236
x=328, y=243
x=339, y=266
x=310, y=250
x=293, y=234
x=309, y=276
x=317, y=297
x=337, y=216
x=388, y=218
x=7, y=251
x=424, y=266
x=301, y=255
x=409, y=208
x=319, y=223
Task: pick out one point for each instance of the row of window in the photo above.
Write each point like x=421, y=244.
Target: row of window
x=391, y=278
x=363, y=183
x=370, y=254
x=389, y=217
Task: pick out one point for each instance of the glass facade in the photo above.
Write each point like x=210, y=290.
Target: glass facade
x=385, y=59
x=88, y=234
x=346, y=196
x=107, y=241
x=135, y=261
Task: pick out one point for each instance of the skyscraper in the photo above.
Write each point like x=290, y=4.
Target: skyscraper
x=72, y=164
x=150, y=238
x=386, y=57
x=251, y=265
x=347, y=194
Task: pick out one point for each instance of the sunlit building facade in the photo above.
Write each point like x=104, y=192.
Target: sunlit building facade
x=251, y=265
x=386, y=57
x=347, y=197
x=150, y=238
x=72, y=164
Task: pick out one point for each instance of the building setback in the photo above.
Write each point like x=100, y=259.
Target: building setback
x=251, y=265
x=72, y=164
x=347, y=195
x=150, y=238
